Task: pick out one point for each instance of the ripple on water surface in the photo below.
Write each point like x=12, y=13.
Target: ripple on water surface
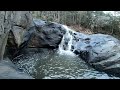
x=50, y=65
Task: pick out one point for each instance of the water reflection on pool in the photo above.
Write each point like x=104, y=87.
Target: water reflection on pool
x=49, y=65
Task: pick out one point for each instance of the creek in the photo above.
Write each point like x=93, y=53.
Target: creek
x=61, y=63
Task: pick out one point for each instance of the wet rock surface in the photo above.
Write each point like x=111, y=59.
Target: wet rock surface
x=9, y=71
x=99, y=50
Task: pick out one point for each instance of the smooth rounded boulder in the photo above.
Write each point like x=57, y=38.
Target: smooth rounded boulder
x=47, y=35
x=99, y=50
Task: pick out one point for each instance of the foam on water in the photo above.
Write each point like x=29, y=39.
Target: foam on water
x=56, y=66
x=65, y=49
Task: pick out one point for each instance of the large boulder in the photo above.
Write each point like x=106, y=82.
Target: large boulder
x=110, y=65
x=103, y=47
x=47, y=35
x=22, y=26
x=18, y=22
x=99, y=46
x=99, y=50
x=34, y=33
x=22, y=23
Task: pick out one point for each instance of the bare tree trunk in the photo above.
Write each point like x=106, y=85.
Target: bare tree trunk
x=58, y=16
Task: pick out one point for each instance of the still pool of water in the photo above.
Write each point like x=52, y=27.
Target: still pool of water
x=50, y=65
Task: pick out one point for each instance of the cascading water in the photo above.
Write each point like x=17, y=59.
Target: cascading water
x=47, y=64
x=66, y=44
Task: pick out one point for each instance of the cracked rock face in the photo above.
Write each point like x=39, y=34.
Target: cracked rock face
x=21, y=23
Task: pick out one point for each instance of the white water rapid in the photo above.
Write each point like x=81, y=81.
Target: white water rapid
x=66, y=44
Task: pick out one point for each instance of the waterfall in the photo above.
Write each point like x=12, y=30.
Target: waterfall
x=66, y=44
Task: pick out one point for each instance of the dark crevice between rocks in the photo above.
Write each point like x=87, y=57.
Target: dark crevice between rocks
x=17, y=50
x=11, y=46
x=20, y=26
x=12, y=49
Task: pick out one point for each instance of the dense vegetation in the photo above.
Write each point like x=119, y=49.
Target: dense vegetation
x=96, y=21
